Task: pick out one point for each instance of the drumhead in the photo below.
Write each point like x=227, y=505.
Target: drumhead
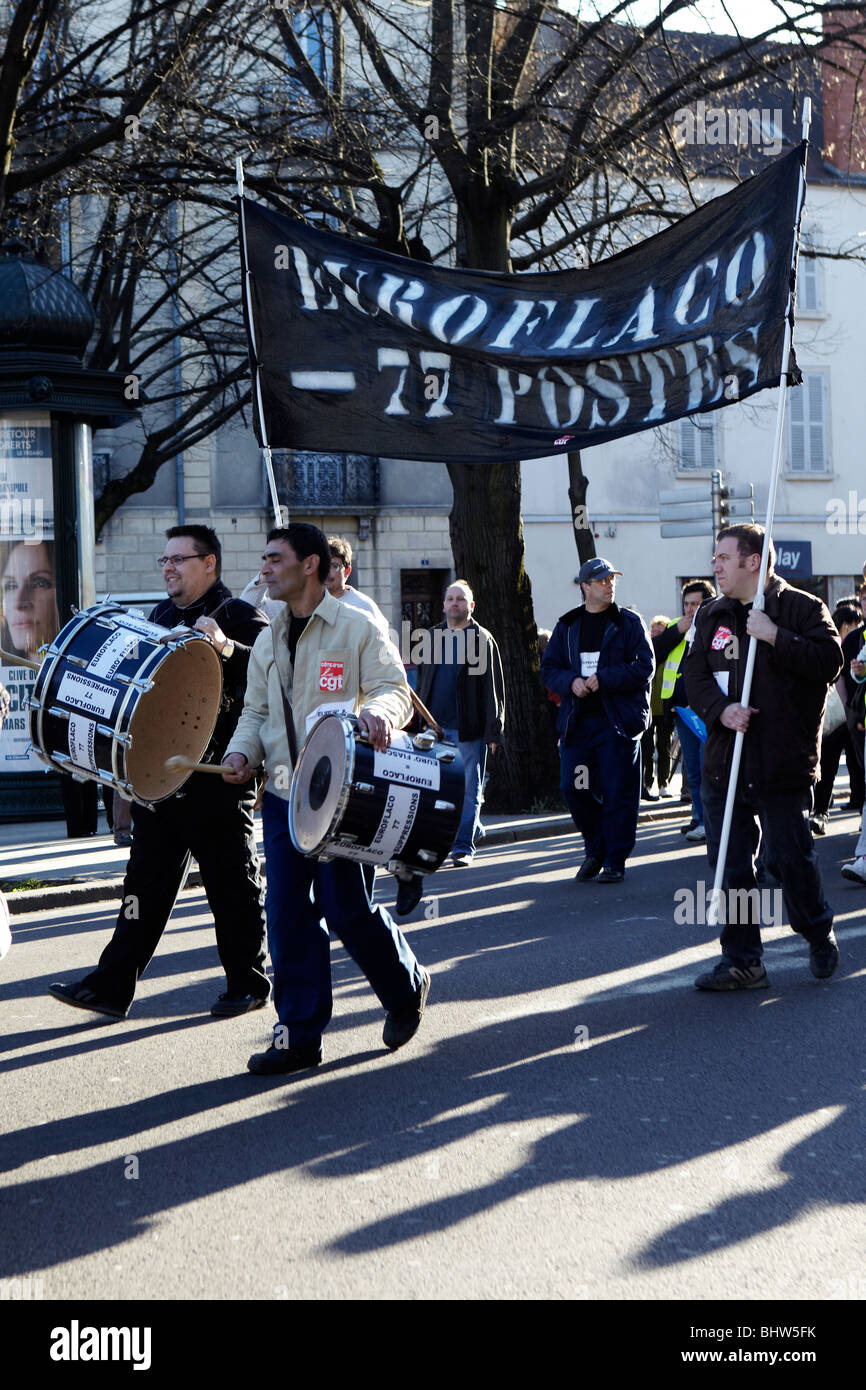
x=321, y=782
x=178, y=715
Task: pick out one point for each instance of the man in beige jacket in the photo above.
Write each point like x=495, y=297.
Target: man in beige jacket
x=324, y=656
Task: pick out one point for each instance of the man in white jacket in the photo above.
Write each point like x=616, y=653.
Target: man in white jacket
x=321, y=654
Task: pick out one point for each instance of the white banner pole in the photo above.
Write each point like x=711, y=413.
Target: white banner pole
x=280, y=514
x=758, y=602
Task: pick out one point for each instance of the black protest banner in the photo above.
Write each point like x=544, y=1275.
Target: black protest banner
x=361, y=351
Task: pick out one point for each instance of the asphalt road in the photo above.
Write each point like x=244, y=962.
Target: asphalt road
x=573, y=1121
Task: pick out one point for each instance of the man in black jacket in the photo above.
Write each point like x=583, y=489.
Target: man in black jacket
x=798, y=656
x=463, y=687
x=207, y=818
x=599, y=660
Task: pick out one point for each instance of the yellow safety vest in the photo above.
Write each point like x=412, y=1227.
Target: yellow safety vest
x=672, y=667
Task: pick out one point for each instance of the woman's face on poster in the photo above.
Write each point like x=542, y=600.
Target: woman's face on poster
x=29, y=597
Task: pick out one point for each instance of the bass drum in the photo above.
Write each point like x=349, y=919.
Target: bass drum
x=116, y=696
x=399, y=809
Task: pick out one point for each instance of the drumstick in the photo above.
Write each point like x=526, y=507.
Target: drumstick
x=178, y=761
x=11, y=660
x=426, y=715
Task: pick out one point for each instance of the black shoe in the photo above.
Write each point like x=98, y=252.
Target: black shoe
x=590, y=868
x=409, y=892
x=609, y=875
x=647, y=795
x=278, y=1061
x=725, y=976
x=230, y=1005
x=824, y=958
x=80, y=997
x=692, y=825
x=403, y=1024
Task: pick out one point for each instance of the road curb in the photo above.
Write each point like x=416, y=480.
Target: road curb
x=71, y=894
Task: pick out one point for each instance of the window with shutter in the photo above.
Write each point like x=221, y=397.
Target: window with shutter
x=808, y=298
x=697, y=444
x=807, y=413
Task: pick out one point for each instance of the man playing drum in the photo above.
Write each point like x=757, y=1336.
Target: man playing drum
x=206, y=819
x=320, y=655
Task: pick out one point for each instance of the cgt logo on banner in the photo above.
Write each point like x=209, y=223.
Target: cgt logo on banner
x=361, y=350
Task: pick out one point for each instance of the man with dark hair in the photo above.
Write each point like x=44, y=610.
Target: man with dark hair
x=320, y=653
x=205, y=819
x=599, y=660
x=340, y=569
x=797, y=657
x=670, y=648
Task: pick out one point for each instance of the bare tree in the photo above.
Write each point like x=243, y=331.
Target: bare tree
x=550, y=135
x=500, y=137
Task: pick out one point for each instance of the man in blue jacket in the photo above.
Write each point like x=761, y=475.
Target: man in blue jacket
x=600, y=661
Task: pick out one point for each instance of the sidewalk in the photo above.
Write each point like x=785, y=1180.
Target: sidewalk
x=91, y=870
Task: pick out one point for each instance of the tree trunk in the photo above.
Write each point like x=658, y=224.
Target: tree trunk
x=487, y=543
x=488, y=549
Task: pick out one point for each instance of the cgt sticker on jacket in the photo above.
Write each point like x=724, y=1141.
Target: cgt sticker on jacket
x=331, y=676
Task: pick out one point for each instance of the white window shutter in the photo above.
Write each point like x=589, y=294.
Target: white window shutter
x=817, y=451
x=688, y=454
x=707, y=436
x=697, y=444
x=796, y=404
x=807, y=284
x=807, y=427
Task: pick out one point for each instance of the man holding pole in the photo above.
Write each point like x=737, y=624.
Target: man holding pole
x=797, y=657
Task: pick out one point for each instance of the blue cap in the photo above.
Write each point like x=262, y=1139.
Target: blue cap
x=596, y=569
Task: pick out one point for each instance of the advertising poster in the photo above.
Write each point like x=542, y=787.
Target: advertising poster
x=28, y=595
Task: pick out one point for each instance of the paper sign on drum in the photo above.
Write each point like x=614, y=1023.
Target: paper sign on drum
x=82, y=738
x=108, y=659
x=400, y=763
x=85, y=694
x=392, y=832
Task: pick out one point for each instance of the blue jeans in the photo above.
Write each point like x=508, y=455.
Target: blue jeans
x=474, y=754
x=693, y=757
x=790, y=857
x=600, y=774
x=305, y=898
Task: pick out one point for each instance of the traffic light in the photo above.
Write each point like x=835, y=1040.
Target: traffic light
x=702, y=511
x=732, y=504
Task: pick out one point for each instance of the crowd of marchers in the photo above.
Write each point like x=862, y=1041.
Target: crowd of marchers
x=626, y=704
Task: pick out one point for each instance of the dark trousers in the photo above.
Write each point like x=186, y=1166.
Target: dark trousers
x=832, y=748
x=81, y=806
x=790, y=857
x=657, y=737
x=600, y=784
x=213, y=822
x=305, y=898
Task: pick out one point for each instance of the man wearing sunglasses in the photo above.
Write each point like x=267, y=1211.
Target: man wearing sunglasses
x=207, y=818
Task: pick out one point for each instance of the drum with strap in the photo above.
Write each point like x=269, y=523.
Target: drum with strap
x=399, y=809
x=116, y=696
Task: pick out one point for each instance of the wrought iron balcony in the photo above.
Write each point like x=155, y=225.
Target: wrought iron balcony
x=331, y=482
